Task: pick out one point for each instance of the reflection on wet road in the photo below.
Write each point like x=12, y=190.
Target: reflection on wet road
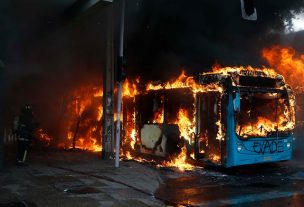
x=262, y=185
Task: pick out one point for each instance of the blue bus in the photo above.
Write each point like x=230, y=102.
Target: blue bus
x=237, y=117
x=249, y=122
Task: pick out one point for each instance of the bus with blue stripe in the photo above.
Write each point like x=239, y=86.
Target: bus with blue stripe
x=250, y=120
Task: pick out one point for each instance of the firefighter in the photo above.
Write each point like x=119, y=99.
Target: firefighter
x=25, y=132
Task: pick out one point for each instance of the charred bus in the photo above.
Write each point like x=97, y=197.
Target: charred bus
x=257, y=118
x=230, y=118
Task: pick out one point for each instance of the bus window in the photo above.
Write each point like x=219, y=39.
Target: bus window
x=150, y=108
x=263, y=115
x=177, y=100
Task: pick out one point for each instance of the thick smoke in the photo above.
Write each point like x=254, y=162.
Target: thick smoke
x=45, y=58
x=169, y=35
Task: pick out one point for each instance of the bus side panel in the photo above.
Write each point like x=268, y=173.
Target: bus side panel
x=231, y=142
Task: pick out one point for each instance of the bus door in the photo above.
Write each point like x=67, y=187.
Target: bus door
x=207, y=144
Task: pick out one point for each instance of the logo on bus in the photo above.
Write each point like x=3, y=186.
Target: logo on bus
x=267, y=146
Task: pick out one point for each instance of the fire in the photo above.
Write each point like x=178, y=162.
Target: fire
x=258, y=119
x=158, y=117
x=98, y=93
x=215, y=158
x=43, y=137
x=129, y=89
x=84, y=112
x=70, y=135
x=180, y=161
x=133, y=141
x=100, y=112
x=262, y=125
x=186, y=127
x=85, y=109
x=269, y=72
x=259, y=128
x=183, y=81
x=288, y=63
x=89, y=143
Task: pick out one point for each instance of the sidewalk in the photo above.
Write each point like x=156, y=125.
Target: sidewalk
x=67, y=178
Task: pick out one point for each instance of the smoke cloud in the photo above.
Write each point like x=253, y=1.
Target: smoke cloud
x=44, y=58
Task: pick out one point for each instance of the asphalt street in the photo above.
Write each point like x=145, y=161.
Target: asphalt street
x=78, y=178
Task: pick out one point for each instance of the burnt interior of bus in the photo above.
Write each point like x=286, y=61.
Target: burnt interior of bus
x=158, y=114
x=209, y=118
x=263, y=115
x=254, y=81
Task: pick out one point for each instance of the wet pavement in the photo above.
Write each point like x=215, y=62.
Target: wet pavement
x=280, y=184
x=229, y=190
x=63, y=178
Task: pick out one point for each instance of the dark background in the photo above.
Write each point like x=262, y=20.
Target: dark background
x=46, y=52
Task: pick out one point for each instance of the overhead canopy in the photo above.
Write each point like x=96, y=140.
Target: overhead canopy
x=81, y=6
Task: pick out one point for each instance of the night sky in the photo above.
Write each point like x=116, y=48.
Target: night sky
x=45, y=52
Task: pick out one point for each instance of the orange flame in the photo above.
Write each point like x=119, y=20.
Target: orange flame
x=184, y=81
x=186, y=126
x=43, y=137
x=288, y=63
x=84, y=119
x=129, y=89
x=184, y=120
x=180, y=161
x=269, y=72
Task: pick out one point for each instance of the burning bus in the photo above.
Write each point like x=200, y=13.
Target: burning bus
x=231, y=117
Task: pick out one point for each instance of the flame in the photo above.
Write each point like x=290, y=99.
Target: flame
x=70, y=135
x=89, y=143
x=158, y=117
x=264, y=125
x=133, y=136
x=264, y=71
x=83, y=123
x=183, y=118
x=88, y=112
x=282, y=119
x=129, y=89
x=43, y=137
x=180, y=161
x=215, y=158
x=100, y=112
x=184, y=81
x=288, y=63
x=98, y=93
x=186, y=126
x=128, y=155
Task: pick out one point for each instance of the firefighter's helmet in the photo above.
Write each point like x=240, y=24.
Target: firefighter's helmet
x=27, y=109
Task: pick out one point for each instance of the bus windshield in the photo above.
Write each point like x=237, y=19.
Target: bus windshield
x=263, y=115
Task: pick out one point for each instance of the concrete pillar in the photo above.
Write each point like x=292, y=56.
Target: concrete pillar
x=108, y=91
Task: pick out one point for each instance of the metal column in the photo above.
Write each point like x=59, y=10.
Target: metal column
x=120, y=79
